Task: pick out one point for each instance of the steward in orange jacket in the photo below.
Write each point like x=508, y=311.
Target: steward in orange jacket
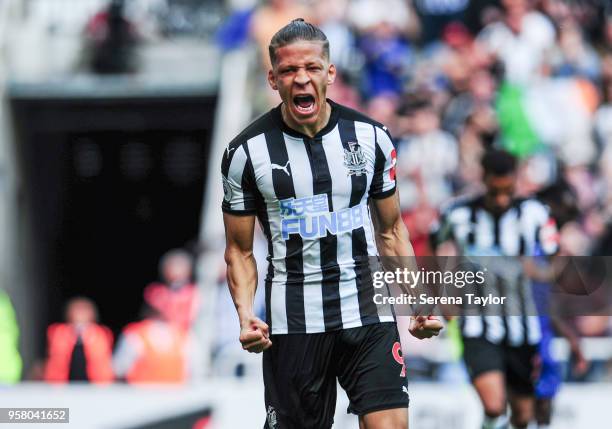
x=153, y=351
x=80, y=350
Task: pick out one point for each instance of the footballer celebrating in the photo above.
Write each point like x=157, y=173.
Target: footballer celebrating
x=311, y=171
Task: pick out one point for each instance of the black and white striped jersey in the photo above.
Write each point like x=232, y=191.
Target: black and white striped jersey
x=311, y=196
x=524, y=229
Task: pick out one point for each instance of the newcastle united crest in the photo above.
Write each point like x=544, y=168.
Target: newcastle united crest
x=354, y=159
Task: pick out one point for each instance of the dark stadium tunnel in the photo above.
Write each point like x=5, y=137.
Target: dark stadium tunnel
x=111, y=184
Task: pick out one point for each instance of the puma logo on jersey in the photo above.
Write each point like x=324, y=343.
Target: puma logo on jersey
x=405, y=390
x=278, y=167
x=228, y=150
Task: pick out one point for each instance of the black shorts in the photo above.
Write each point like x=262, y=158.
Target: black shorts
x=518, y=364
x=300, y=372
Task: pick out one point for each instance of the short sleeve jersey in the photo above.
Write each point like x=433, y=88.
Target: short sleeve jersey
x=311, y=197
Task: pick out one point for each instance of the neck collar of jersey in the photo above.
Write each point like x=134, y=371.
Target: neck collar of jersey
x=331, y=124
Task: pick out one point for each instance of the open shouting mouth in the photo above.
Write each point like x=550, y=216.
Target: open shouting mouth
x=304, y=103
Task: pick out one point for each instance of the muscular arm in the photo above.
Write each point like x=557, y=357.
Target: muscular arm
x=393, y=242
x=392, y=237
x=241, y=265
x=242, y=280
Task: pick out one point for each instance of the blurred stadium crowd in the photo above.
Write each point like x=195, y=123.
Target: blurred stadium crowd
x=450, y=78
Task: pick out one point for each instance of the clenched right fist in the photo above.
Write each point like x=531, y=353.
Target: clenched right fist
x=254, y=335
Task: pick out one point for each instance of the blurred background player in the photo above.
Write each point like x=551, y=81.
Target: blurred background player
x=500, y=351
x=79, y=349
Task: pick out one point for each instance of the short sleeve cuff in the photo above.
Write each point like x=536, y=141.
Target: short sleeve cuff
x=383, y=194
x=239, y=212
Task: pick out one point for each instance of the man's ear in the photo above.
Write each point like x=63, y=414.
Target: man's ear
x=271, y=80
x=331, y=74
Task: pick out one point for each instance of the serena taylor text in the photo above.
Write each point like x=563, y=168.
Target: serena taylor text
x=470, y=298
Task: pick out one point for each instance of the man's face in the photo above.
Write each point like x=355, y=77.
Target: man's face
x=177, y=269
x=301, y=75
x=500, y=190
x=80, y=312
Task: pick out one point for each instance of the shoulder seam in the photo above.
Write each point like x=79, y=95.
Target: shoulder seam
x=260, y=125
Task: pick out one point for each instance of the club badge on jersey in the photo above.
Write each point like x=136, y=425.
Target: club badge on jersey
x=354, y=159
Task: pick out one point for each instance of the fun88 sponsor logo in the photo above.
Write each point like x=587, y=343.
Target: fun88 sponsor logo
x=310, y=217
